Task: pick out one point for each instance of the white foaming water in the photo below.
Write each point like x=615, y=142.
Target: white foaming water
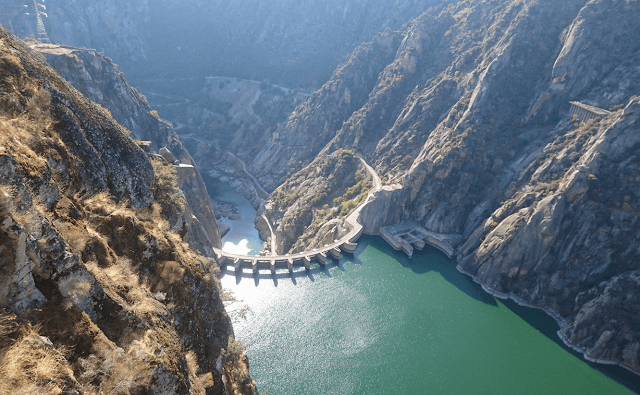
x=243, y=237
x=242, y=248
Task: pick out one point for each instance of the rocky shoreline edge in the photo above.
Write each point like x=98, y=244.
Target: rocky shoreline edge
x=561, y=322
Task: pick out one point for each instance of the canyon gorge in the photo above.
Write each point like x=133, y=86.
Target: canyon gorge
x=510, y=125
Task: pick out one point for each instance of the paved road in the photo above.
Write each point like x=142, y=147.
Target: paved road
x=377, y=183
x=273, y=235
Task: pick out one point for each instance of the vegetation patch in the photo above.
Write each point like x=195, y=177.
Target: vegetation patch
x=353, y=195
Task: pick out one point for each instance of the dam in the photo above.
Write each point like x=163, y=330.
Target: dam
x=404, y=236
x=346, y=244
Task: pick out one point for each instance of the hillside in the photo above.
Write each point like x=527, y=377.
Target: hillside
x=98, y=293
x=291, y=43
x=98, y=78
x=468, y=120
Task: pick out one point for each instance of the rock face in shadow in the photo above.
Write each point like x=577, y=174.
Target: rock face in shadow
x=87, y=258
x=470, y=116
x=287, y=42
x=230, y=123
x=290, y=43
x=99, y=79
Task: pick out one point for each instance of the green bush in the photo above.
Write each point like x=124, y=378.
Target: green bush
x=290, y=197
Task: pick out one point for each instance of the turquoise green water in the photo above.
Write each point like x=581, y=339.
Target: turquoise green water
x=381, y=324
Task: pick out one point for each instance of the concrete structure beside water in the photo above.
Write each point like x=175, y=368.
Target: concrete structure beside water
x=408, y=235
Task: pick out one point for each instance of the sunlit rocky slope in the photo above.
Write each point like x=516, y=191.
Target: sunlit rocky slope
x=99, y=79
x=97, y=293
x=466, y=115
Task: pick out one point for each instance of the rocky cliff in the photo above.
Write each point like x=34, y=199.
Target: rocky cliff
x=95, y=75
x=469, y=114
x=98, y=294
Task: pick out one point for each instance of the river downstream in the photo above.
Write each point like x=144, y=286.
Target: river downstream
x=243, y=238
x=379, y=323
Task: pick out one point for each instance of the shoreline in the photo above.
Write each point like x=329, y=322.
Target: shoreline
x=354, y=235
x=562, y=323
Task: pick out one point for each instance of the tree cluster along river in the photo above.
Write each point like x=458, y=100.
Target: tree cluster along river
x=379, y=323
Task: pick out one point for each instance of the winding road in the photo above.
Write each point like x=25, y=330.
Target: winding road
x=273, y=235
x=377, y=183
x=346, y=243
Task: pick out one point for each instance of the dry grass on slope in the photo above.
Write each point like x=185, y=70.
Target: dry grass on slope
x=130, y=308
x=21, y=126
x=29, y=364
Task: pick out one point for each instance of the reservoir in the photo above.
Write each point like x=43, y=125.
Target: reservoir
x=376, y=322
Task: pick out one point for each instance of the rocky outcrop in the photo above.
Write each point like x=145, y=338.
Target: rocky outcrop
x=99, y=79
x=578, y=241
x=301, y=210
x=325, y=112
x=471, y=119
x=87, y=259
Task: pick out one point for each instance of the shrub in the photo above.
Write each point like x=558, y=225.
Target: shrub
x=165, y=189
x=27, y=362
x=38, y=107
x=318, y=197
x=290, y=197
x=235, y=348
x=540, y=187
x=347, y=206
x=113, y=371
